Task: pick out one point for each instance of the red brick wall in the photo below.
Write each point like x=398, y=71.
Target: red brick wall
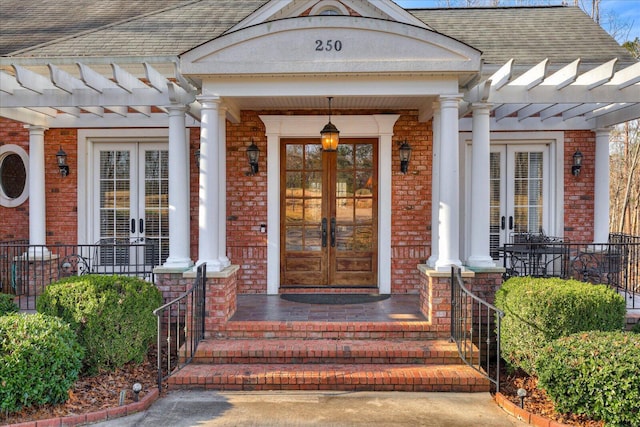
x=411, y=203
x=247, y=204
x=579, y=190
x=60, y=193
x=14, y=222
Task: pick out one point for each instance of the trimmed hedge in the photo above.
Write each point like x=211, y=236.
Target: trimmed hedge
x=40, y=359
x=112, y=315
x=7, y=305
x=594, y=373
x=539, y=310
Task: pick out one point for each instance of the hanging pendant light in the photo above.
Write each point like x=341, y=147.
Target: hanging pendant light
x=330, y=133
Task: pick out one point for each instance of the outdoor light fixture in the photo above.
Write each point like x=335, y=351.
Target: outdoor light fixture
x=522, y=393
x=577, y=163
x=405, y=156
x=253, y=152
x=196, y=154
x=137, y=387
x=62, y=162
x=329, y=133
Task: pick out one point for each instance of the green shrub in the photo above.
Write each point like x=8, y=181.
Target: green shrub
x=594, y=373
x=112, y=315
x=7, y=305
x=636, y=328
x=40, y=359
x=537, y=311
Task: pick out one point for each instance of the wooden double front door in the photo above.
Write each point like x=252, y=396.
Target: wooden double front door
x=329, y=213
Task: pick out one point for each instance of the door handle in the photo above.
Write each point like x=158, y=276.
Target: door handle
x=324, y=232
x=333, y=232
x=502, y=223
x=141, y=225
x=133, y=226
x=510, y=223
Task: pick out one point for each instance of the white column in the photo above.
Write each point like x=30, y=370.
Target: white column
x=208, y=200
x=480, y=195
x=601, y=189
x=449, y=211
x=179, y=248
x=222, y=192
x=435, y=186
x=37, y=200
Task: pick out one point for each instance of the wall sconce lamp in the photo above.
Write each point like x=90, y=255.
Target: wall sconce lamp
x=62, y=162
x=196, y=154
x=405, y=156
x=330, y=135
x=253, y=153
x=577, y=163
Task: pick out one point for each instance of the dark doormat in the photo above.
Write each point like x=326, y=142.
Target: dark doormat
x=333, y=298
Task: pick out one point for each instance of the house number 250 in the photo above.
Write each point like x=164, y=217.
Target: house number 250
x=328, y=45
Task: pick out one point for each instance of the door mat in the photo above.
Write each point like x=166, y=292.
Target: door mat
x=334, y=298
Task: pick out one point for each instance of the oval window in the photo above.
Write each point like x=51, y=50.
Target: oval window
x=13, y=176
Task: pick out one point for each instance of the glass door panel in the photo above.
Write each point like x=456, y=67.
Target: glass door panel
x=329, y=205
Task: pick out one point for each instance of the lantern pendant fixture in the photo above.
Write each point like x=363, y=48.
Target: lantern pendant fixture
x=329, y=134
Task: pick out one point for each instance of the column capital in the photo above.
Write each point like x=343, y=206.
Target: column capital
x=601, y=132
x=175, y=109
x=450, y=100
x=209, y=101
x=36, y=128
x=481, y=107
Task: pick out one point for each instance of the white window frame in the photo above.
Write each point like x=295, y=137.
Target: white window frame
x=7, y=150
x=555, y=199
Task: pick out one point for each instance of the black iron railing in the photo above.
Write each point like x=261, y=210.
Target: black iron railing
x=26, y=270
x=181, y=327
x=475, y=328
x=615, y=263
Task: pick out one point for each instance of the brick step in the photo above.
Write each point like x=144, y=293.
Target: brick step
x=294, y=351
x=409, y=330
x=369, y=377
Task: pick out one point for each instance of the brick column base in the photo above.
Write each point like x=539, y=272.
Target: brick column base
x=220, y=299
x=435, y=293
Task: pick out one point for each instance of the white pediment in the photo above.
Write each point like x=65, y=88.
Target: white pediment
x=330, y=44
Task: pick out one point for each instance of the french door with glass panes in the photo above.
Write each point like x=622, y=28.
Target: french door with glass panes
x=131, y=188
x=329, y=213
x=519, y=192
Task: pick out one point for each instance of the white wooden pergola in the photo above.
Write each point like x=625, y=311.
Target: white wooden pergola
x=46, y=93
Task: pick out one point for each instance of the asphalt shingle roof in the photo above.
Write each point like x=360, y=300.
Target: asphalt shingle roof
x=170, y=27
x=528, y=34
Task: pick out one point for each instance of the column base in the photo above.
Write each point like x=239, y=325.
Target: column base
x=446, y=264
x=431, y=262
x=224, y=261
x=213, y=265
x=178, y=263
x=480, y=261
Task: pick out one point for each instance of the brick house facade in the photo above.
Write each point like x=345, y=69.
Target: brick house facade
x=222, y=95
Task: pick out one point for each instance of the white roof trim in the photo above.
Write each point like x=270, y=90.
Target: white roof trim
x=281, y=9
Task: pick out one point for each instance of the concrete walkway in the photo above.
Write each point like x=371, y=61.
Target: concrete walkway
x=299, y=408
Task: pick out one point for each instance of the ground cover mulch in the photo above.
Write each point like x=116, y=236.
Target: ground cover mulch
x=537, y=401
x=95, y=393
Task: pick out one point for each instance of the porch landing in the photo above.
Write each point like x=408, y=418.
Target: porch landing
x=273, y=344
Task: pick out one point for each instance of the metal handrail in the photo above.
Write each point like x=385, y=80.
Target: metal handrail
x=475, y=328
x=184, y=319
